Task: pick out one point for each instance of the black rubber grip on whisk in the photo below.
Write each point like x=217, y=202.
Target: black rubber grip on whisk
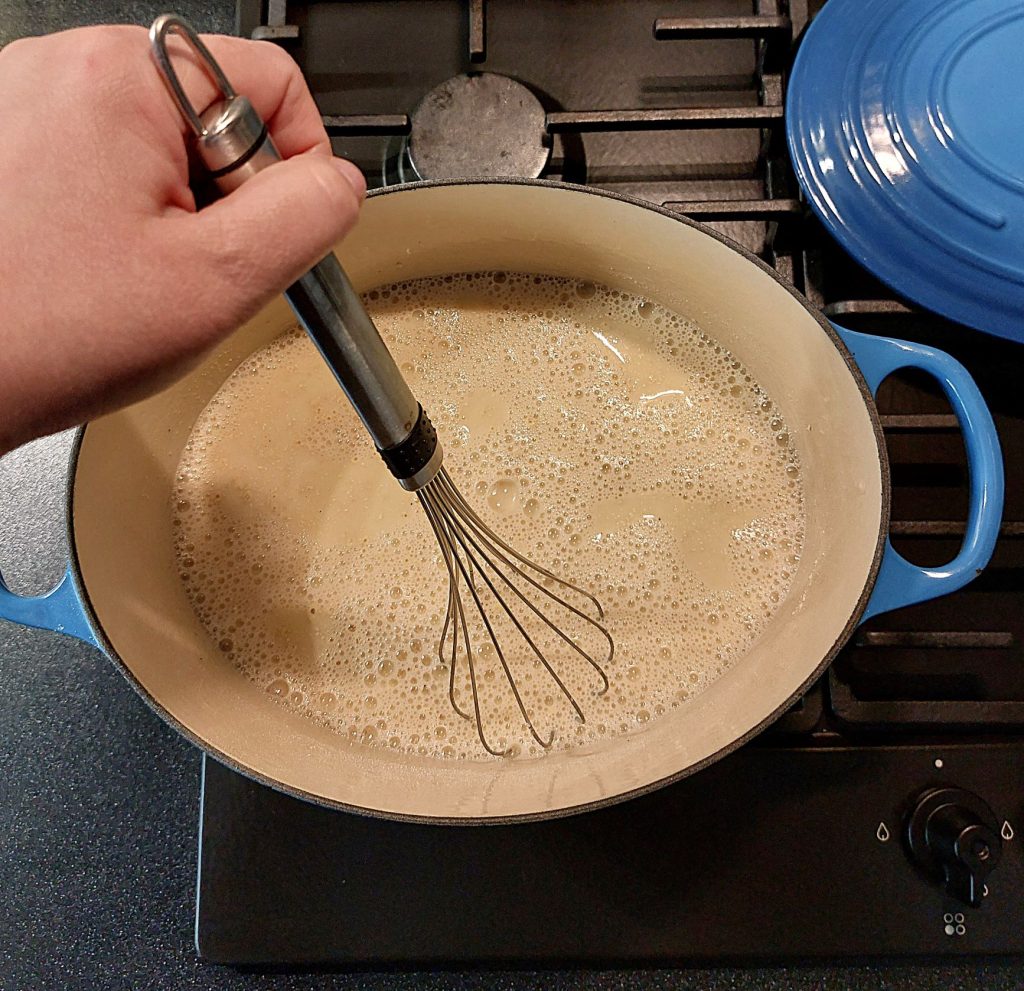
x=405, y=459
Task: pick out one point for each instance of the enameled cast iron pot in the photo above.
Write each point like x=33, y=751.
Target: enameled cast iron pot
x=122, y=592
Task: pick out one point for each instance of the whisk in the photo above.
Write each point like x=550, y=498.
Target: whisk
x=486, y=576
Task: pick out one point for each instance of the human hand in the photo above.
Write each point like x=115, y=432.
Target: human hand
x=112, y=284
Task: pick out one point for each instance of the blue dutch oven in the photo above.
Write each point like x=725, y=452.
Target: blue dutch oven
x=122, y=592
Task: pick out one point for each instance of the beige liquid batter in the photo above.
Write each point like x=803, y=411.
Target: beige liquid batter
x=602, y=435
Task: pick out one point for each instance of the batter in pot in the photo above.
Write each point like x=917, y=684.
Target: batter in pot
x=601, y=434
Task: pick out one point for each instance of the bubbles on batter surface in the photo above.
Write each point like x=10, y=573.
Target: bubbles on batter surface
x=601, y=434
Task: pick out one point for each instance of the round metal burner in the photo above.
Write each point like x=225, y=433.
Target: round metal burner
x=484, y=125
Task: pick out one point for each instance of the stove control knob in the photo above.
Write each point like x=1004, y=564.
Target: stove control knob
x=954, y=837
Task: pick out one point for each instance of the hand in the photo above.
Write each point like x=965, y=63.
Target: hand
x=112, y=284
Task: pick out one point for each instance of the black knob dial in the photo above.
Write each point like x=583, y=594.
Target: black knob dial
x=954, y=838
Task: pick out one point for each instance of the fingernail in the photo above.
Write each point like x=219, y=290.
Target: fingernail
x=352, y=175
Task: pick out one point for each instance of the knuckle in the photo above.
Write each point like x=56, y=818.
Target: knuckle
x=213, y=278
x=97, y=45
x=19, y=48
x=274, y=55
x=336, y=187
x=105, y=59
x=231, y=258
x=338, y=204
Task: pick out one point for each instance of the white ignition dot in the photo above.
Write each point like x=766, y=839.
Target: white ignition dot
x=938, y=762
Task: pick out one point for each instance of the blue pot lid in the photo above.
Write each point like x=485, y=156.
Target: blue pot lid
x=906, y=127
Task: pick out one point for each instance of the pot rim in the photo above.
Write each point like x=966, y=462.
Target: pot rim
x=255, y=775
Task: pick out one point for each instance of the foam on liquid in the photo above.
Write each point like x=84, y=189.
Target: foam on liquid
x=602, y=435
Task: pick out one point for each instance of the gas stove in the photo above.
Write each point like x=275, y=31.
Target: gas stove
x=809, y=842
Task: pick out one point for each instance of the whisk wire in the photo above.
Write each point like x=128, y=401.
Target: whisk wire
x=495, y=545
x=519, y=626
x=453, y=612
x=454, y=544
x=441, y=531
x=445, y=482
x=470, y=549
x=461, y=538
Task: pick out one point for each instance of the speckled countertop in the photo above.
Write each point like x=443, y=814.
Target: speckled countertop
x=98, y=799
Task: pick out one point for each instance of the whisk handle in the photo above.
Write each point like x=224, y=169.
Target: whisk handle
x=234, y=145
x=334, y=317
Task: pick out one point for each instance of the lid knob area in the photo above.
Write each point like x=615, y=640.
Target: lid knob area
x=954, y=838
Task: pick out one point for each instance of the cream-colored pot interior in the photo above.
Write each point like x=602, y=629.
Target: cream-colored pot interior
x=127, y=461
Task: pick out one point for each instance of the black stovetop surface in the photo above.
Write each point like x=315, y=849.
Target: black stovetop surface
x=773, y=853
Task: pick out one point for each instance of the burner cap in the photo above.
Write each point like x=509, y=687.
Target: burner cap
x=483, y=125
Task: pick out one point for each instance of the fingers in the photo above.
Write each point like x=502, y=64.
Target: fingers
x=116, y=66
x=268, y=76
x=272, y=229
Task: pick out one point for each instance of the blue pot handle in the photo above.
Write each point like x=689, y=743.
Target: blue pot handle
x=61, y=609
x=899, y=582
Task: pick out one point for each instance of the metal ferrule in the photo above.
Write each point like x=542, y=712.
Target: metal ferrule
x=426, y=474
x=234, y=145
x=416, y=459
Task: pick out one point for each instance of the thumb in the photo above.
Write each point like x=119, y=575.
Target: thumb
x=277, y=225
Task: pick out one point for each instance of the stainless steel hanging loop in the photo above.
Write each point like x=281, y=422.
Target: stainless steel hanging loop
x=231, y=137
x=167, y=24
